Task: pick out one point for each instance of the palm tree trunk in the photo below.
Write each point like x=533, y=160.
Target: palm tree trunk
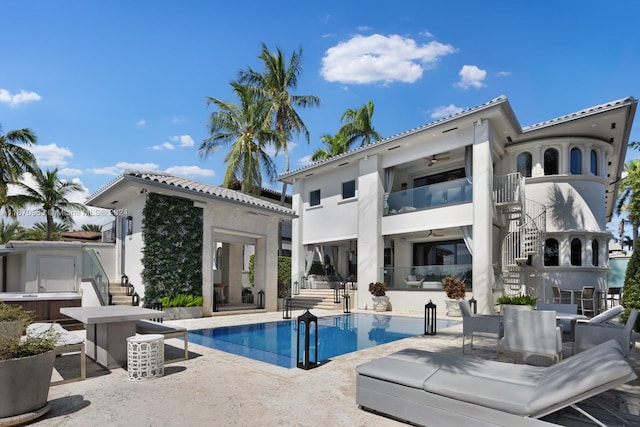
x=49, y=225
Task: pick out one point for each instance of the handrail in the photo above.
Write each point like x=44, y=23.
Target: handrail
x=92, y=269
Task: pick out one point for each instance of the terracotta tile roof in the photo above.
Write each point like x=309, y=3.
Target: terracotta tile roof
x=81, y=235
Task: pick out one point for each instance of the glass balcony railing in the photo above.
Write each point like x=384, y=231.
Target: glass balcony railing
x=92, y=269
x=428, y=196
x=426, y=277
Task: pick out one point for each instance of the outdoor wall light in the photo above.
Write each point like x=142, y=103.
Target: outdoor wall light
x=129, y=225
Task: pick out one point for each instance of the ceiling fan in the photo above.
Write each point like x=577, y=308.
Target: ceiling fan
x=432, y=234
x=436, y=158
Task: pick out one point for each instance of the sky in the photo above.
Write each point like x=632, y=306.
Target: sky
x=122, y=84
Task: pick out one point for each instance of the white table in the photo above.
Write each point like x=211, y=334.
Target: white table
x=108, y=328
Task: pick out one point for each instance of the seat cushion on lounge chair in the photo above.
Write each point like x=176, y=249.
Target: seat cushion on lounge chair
x=64, y=337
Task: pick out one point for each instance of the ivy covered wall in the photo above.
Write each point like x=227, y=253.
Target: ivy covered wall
x=172, y=254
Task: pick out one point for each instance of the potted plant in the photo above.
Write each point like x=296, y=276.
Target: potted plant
x=26, y=363
x=522, y=301
x=13, y=320
x=456, y=291
x=380, y=299
x=182, y=306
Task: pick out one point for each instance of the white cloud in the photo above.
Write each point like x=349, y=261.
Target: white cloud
x=51, y=156
x=141, y=123
x=503, y=73
x=185, y=140
x=70, y=172
x=190, y=171
x=119, y=168
x=20, y=98
x=363, y=28
x=305, y=161
x=379, y=58
x=163, y=146
x=445, y=111
x=471, y=76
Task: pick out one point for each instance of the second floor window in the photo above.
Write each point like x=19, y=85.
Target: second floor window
x=551, y=161
x=349, y=189
x=576, y=252
x=595, y=249
x=576, y=161
x=551, y=257
x=594, y=162
x=314, y=198
x=524, y=164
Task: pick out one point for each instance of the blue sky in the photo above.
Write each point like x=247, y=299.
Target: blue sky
x=109, y=85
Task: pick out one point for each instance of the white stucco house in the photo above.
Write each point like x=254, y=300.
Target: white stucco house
x=230, y=221
x=508, y=208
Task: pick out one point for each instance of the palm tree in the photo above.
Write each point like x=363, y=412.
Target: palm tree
x=39, y=231
x=274, y=84
x=335, y=145
x=96, y=228
x=12, y=231
x=49, y=193
x=629, y=195
x=357, y=124
x=248, y=128
x=15, y=160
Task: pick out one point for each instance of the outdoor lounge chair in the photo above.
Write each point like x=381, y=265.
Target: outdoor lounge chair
x=533, y=334
x=589, y=334
x=479, y=324
x=437, y=389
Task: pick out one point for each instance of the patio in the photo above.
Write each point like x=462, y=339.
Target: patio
x=218, y=388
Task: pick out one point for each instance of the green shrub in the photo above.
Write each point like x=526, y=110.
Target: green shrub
x=182, y=300
x=284, y=276
x=14, y=313
x=631, y=288
x=517, y=299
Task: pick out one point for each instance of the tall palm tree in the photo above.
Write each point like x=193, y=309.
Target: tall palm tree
x=248, y=128
x=629, y=195
x=39, y=231
x=357, y=125
x=274, y=84
x=11, y=231
x=335, y=145
x=15, y=159
x=49, y=194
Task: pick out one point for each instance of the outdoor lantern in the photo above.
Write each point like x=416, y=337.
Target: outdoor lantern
x=286, y=308
x=474, y=305
x=347, y=303
x=336, y=294
x=135, y=301
x=306, y=360
x=261, y=299
x=296, y=287
x=129, y=225
x=430, y=318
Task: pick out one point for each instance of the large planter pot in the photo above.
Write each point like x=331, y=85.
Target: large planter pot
x=381, y=303
x=177, y=313
x=24, y=383
x=453, y=307
x=515, y=307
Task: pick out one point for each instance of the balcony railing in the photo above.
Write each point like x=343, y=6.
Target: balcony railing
x=428, y=196
x=426, y=277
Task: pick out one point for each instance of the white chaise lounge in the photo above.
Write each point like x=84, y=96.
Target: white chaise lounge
x=437, y=389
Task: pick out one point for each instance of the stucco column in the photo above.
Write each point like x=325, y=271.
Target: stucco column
x=370, y=241
x=298, y=253
x=207, y=263
x=482, y=217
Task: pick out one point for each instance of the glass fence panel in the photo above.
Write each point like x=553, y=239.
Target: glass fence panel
x=92, y=269
x=428, y=196
x=425, y=277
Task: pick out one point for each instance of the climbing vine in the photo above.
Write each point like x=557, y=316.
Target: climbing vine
x=172, y=255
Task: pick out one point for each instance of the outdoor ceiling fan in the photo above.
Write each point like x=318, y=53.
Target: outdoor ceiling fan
x=432, y=234
x=436, y=158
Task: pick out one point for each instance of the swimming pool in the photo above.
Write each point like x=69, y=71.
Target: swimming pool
x=275, y=342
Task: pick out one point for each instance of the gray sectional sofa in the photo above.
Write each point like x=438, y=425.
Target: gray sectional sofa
x=436, y=389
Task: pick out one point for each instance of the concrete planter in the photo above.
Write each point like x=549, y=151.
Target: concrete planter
x=177, y=313
x=24, y=384
x=381, y=303
x=453, y=307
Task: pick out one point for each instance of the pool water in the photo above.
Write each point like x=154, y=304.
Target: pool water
x=276, y=342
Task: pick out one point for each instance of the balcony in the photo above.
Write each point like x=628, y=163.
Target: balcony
x=429, y=196
x=424, y=277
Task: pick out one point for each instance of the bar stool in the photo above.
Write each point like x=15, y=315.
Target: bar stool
x=588, y=301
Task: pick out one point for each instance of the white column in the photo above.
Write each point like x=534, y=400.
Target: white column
x=207, y=262
x=482, y=217
x=297, y=247
x=370, y=242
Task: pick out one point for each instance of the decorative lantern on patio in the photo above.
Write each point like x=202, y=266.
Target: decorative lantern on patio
x=307, y=360
x=430, y=318
x=261, y=299
x=296, y=287
x=286, y=308
x=336, y=294
x=474, y=305
x=347, y=303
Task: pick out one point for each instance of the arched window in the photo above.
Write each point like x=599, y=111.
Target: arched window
x=551, y=252
x=576, y=252
x=551, y=161
x=524, y=164
x=576, y=161
x=594, y=162
x=595, y=252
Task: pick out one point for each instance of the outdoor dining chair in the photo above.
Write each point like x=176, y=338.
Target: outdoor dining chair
x=533, y=334
x=588, y=303
x=560, y=296
x=480, y=324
